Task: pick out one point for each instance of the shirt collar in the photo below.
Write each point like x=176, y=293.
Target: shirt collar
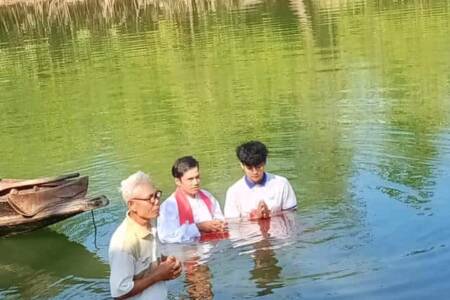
x=141, y=231
x=252, y=184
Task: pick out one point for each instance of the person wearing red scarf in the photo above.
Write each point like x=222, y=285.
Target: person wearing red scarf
x=190, y=213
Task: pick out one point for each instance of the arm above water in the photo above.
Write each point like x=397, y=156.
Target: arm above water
x=210, y=219
x=122, y=272
x=231, y=206
x=289, y=201
x=217, y=211
x=169, y=228
x=166, y=270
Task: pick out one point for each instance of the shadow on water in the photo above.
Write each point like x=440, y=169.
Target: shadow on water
x=45, y=264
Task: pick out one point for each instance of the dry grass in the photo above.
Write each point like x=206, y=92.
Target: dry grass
x=28, y=14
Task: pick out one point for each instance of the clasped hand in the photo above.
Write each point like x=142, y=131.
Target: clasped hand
x=169, y=268
x=212, y=226
x=261, y=212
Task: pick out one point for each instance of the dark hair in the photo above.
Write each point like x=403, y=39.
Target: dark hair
x=182, y=165
x=252, y=153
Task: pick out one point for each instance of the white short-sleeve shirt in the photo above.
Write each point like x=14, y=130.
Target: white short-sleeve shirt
x=134, y=252
x=242, y=198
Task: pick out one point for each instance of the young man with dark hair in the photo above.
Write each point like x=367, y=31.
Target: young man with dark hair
x=258, y=194
x=189, y=213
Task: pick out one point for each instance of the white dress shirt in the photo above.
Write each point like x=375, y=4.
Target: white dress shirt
x=243, y=196
x=169, y=228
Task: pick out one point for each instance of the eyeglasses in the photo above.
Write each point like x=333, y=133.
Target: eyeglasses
x=156, y=195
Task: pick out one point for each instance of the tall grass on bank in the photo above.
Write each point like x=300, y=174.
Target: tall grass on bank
x=41, y=16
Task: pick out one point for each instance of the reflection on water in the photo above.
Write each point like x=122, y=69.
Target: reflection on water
x=197, y=275
x=350, y=96
x=255, y=241
x=26, y=259
x=259, y=239
x=63, y=17
x=266, y=273
x=198, y=282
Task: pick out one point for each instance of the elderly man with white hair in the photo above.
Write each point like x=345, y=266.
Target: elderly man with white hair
x=137, y=272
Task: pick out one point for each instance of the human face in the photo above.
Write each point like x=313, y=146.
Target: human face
x=145, y=202
x=152, y=197
x=189, y=182
x=254, y=173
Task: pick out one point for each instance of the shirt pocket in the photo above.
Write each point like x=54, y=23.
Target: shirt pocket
x=142, y=264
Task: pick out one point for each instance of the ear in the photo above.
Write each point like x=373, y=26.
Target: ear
x=177, y=181
x=130, y=204
x=242, y=166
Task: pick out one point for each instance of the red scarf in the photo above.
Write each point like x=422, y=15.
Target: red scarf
x=185, y=214
x=184, y=208
x=214, y=236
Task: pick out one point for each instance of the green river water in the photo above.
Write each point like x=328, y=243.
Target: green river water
x=351, y=97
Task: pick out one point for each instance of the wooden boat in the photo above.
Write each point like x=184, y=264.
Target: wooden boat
x=27, y=205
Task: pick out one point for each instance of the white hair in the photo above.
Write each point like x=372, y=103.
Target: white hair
x=128, y=185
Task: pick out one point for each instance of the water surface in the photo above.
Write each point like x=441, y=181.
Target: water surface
x=352, y=98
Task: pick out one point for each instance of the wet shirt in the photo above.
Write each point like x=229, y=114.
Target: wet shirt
x=169, y=228
x=133, y=253
x=244, y=196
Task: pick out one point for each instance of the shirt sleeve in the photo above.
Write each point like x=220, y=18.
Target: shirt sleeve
x=231, y=208
x=289, y=199
x=218, y=215
x=122, y=272
x=169, y=229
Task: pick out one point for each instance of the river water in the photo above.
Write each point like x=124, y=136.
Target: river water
x=351, y=97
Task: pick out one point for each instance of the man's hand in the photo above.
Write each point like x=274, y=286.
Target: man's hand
x=261, y=212
x=212, y=226
x=168, y=269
